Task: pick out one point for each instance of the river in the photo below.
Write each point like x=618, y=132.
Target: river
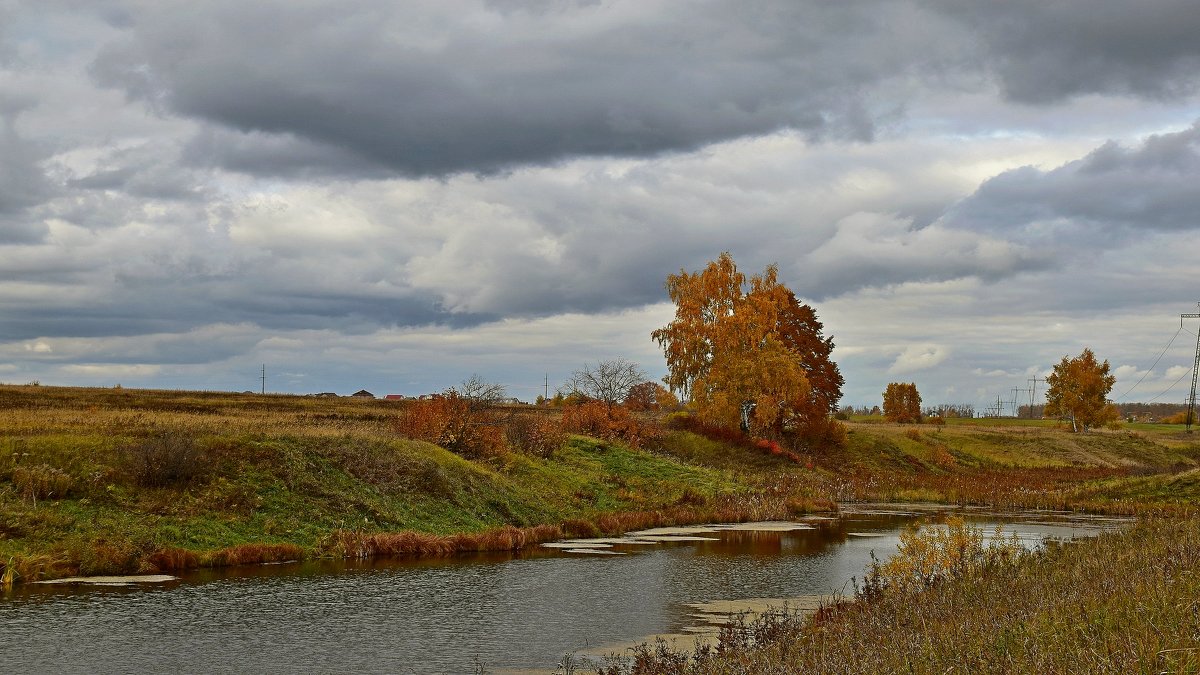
x=487, y=613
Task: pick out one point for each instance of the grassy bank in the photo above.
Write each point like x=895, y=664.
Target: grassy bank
x=99, y=481
x=1125, y=602
x=105, y=481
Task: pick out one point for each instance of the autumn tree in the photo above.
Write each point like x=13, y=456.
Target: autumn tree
x=747, y=348
x=650, y=396
x=1078, y=390
x=902, y=403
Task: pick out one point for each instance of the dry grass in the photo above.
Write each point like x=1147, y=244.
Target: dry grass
x=1125, y=602
x=252, y=554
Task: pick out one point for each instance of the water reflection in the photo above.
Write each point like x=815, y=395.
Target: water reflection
x=438, y=616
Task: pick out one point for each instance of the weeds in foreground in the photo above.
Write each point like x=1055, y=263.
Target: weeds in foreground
x=933, y=555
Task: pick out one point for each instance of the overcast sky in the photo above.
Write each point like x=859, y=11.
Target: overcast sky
x=396, y=195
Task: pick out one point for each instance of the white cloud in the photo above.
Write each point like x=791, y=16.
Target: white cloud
x=918, y=357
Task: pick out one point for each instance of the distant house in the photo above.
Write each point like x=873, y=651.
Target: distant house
x=324, y=394
x=362, y=393
x=394, y=397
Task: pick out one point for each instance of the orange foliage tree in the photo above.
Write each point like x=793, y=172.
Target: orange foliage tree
x=1078, y=390
x=650, y=396
x=902, y=403
x=747, y=351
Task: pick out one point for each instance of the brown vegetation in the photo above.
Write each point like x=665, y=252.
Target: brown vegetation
x=1123, y=602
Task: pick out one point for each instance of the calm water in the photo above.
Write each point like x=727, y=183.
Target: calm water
x=445, y=616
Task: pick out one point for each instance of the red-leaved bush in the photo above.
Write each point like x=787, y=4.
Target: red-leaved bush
x=610, y=422
x=455, y=423
x=535, y=434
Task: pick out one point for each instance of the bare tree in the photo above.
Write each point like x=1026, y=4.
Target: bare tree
x=481, y=393
x=609, y=381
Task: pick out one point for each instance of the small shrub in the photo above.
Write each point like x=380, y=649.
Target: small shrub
x=455, y=423
x=610, y=422
x=928, y=557
x=164, y=460
x=537, y=435
x=913, y=434
x=41, y=481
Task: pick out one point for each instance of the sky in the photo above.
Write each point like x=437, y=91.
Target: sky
x=398, y=195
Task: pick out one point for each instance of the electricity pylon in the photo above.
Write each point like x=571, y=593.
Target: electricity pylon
x=1195, y=369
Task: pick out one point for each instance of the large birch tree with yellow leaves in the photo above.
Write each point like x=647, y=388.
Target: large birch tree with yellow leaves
x=1078, y=390
x=748, y=349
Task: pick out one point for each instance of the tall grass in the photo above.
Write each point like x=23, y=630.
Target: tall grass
x=1123, y=602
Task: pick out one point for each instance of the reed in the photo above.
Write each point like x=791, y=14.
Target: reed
x=250, y=554
x=174, y=559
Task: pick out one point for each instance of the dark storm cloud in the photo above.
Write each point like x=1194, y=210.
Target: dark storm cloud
x=279, y=154
x=1111, y=194
x=1044, y=51
x=407, y=87
x=171, y=306
x=431, y=89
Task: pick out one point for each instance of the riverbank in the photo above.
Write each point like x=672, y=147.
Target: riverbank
x=100, y=481
x=114, y=481
x=1122, y=602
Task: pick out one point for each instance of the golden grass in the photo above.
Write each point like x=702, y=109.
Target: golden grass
x=1124, y=602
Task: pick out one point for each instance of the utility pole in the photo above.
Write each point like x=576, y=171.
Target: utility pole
x=264, y=379
x=1195, y=369
x=995, y=410
x=546, y=388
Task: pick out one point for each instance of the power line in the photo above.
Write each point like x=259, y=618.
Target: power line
x=1151, y=368
x=1170, y=387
